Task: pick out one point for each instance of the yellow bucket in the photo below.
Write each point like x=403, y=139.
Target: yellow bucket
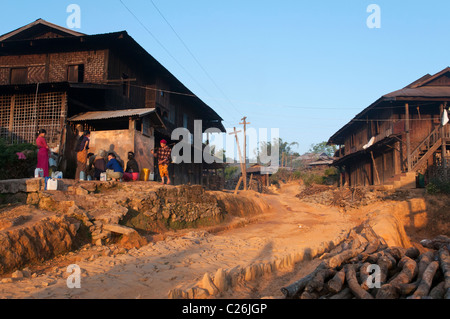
x=145, y=174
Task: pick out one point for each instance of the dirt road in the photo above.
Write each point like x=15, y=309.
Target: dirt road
x=181, y=260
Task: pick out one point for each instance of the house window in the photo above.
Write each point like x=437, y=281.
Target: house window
x=19, y=76
x=75, y=73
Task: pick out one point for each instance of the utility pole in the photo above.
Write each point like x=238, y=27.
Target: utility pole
x=240, y=158
x=244, y=122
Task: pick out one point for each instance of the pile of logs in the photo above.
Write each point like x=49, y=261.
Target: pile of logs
x=364, y=267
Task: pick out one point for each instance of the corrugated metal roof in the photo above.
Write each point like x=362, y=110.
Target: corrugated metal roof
x=101, y=115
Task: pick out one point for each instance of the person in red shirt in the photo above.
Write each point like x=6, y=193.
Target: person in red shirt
x=42, y=156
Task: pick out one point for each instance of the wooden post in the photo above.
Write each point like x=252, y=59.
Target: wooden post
x=238, y=184
x=375, y=167
x=408, y=138
x=444, y=142
x=240, y=155
x=11, y=118
x=244, y=122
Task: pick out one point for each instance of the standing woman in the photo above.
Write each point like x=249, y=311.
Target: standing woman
x=42, y=156
x=82, y=153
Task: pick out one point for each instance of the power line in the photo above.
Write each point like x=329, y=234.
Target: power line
x=289, y=106
x=165, y=49
x=193, y=56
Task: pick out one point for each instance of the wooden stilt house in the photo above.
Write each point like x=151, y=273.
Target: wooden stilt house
x=401, y=140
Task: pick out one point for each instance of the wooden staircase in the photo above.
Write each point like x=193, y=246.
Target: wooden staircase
x=419, y=158
x=426, y=148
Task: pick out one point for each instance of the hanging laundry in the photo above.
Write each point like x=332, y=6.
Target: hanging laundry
x=444, y=117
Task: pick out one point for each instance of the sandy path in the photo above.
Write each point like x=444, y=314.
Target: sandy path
x=182, y=260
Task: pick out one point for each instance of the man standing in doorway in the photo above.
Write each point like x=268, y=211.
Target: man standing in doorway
x=163, y=154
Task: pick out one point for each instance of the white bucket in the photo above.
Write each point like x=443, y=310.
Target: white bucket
x=52, y=184
x=103, y=177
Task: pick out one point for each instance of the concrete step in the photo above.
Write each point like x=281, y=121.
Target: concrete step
x=403, y=181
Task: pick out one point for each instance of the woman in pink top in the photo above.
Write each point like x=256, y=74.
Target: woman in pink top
x=42, y=156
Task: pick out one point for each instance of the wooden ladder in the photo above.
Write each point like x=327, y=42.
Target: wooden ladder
x=426, y=148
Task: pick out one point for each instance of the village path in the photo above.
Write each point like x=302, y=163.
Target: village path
x=180, y=261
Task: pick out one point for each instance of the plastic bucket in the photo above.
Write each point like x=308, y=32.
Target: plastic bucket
x=145, y=174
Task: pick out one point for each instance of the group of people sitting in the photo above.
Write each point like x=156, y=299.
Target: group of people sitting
x=94, y=165
x=108, y=163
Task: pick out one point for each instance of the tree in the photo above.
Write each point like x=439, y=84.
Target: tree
x=322, y=147
x=285, y=149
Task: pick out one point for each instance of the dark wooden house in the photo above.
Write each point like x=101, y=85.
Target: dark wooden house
x=50, y=76
x=399, y=137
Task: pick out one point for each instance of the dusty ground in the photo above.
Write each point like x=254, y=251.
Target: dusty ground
x=180, y=260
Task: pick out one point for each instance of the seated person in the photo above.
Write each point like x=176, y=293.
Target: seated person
x=99, y=164
x=132, y=170
x=114, y=170
x=90, y=162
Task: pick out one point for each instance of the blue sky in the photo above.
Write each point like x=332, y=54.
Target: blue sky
x=305, y=67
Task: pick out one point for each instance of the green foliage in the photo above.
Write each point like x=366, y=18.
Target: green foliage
x=283, y=147
x=322, y=147
x=438, y=187
x=231, y=172
x=281, y=175
x=328, y=176
x=310, y=178
x=11, y=166
x=432, y=189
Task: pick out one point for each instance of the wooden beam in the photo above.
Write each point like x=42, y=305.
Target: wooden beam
x=240, y=155
x=444, y=143
x=408, y=138
x=238, y=184
x=244, y=122
x=375, y=168
x=11, y=116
